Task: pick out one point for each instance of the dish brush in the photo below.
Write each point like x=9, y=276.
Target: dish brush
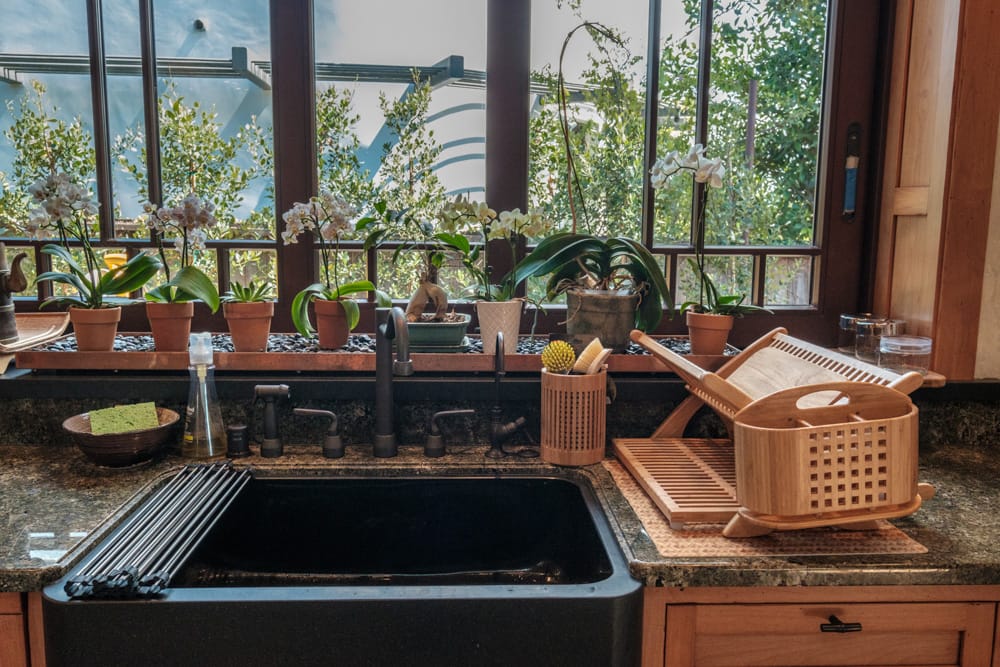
x=594, y=352
x=558, y=357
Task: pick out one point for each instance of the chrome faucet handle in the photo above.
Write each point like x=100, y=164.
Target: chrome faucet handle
x=434, y=447
x=333, y=445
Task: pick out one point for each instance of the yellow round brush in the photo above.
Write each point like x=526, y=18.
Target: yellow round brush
x=558, y=357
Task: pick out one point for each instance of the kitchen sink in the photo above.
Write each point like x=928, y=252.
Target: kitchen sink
x=485, y=570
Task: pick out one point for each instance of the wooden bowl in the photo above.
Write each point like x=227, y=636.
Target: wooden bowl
x=122, y=449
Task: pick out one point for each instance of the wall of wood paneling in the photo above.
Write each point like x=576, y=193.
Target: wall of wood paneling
x=938, y=191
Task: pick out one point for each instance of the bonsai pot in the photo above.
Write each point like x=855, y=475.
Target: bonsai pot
x=447, y=334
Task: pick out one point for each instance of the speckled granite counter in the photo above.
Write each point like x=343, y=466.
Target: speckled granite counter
x=58, y=505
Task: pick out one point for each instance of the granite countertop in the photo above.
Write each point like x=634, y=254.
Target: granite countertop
x=58, y=505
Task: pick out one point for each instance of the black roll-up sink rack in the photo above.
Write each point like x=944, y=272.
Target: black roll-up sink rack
x=154, y=543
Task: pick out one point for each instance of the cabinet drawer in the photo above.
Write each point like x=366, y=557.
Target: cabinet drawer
x=789, y=634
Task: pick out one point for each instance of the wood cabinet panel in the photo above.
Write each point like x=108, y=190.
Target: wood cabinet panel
x=723, y=631
x=13, y=649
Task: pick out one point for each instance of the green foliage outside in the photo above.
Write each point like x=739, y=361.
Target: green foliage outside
x=778, y=43
x=768, y=201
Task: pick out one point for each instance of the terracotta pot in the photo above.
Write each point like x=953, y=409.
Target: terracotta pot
x=609, y=316
x=497, y=316
x=331, y=324
x=708, y=332
x=95, y=328
x=249, y=324
x=170, y=324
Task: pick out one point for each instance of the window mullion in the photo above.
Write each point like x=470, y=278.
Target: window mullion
x=703, y=97
x=652, y=113
x=99, y=100
x=508, y=74
x=294, y=109
x=150, y=103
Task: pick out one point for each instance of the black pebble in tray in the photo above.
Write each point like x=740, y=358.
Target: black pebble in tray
x=356, y=343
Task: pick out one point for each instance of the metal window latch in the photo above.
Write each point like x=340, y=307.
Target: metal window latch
x=837, y=625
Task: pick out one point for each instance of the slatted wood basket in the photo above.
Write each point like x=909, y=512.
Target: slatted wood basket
x=573, y=418
x=854, y=458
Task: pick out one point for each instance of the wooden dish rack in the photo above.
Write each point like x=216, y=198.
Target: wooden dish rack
x=849, y=460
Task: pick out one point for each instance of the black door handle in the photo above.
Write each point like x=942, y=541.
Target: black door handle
x=837, y=625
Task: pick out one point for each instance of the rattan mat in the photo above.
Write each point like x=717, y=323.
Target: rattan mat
x=704, y=540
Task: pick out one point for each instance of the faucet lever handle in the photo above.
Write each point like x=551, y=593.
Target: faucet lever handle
x=333, y=445
x=434, y=447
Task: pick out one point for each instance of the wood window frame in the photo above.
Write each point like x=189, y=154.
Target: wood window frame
x=855, y=90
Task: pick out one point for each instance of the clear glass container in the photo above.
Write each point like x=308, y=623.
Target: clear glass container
x=905, y=353
x=846, y=333
x=869, y=332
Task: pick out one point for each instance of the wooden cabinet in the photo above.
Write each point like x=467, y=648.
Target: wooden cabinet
x=13, y=633
x=819, y=626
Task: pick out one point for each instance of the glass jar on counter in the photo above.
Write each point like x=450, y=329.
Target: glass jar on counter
x=869, y=332
x=848, y=328
x=905, y=353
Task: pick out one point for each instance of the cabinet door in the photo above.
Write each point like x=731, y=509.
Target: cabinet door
x=13, y=649
x=775, y=635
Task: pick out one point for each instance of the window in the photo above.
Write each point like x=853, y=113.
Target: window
x=277, y=99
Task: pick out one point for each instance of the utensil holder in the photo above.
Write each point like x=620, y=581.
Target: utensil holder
x=845, y=459
x=573, y=418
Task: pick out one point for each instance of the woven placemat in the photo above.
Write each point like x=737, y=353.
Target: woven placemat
x=705, y=540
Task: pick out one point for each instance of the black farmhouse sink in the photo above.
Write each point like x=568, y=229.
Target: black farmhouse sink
x=443, y=571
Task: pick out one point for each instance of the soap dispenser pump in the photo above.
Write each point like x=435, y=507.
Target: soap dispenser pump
x=204, y=431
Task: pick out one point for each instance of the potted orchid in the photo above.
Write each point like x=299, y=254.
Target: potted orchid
x=710, y=316
x=170, y=306
x=497, y=303
x=67, y=209
x=327, y=218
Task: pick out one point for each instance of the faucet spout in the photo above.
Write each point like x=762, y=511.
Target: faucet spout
x=390, y=324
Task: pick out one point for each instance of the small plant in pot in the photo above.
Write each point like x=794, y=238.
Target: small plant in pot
x=327, y=218
x=710, y=317
x=68, y=210
x=497, y=303
x=248, y=310
x=170, y=306
x=613, y=284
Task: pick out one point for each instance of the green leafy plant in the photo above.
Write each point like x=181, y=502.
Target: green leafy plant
x=67, y=209
x=584, y=261
x=713, y=303
x=327, y=217
x=577, y=260
x=462, y=219
x=189, y=221
x=249, y=293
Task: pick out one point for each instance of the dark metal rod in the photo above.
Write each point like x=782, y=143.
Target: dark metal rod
x=162, y=523
x=202, y=506
x=170, y=567
x=135, y=523
x=173, y=521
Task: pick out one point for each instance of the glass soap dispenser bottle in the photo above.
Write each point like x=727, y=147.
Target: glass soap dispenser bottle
x=204, y=432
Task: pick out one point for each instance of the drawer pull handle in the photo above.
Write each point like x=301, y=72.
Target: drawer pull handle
x=837, y=625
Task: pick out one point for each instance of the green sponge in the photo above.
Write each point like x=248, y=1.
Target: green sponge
x=123, y=419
